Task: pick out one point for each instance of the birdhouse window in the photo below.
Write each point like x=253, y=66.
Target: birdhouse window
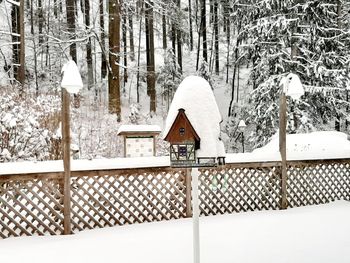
x=182, y=151
x=182, y=131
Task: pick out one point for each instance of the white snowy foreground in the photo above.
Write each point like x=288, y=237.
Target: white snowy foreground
x=308, y=234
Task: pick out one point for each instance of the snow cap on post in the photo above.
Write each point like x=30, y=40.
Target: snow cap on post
x=292, y=86
x=71, y=80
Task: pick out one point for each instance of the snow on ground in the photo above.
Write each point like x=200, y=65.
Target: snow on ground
x=300, y=235
x=314, y=145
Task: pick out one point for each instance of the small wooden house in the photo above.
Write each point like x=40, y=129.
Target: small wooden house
x=183, y=139
x=193, y=126
x=139, y=140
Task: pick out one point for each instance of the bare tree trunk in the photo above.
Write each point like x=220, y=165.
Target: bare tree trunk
x=15, y=40
x=131, y=34
x=55, y=8
x=40, y=21
x=125, y=51
x=216, y=37
x=70, y=10
x=88, y=46
x=179, y=40
x=164, y=31
x=150, y=65
x=190, y=22
x=21, y=73
x=102, y=28
x=31, y=17
x=114, y=50
x=138, y=63
x=204, y=30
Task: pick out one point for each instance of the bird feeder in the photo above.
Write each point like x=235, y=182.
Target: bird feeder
x=193, y=126
x=139, y=140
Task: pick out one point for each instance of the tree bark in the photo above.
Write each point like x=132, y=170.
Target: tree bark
x=190, y=23
x=216, y=37
x=103, y=43
x=40, y=21
x=125, y=51
x=179, y=40
x=15, y=40
x=21, y=73
x=131, y=34
x=164, y=31
x=204, y=30
x=114, y=50
x=70, y=10
x=88, y=46
x=150, y=63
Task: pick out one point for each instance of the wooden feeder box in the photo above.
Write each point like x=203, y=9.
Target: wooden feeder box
x=139, y=140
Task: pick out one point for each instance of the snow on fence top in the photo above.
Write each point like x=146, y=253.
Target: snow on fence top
x=139, y=129
x=196, y=97
x=28, y=167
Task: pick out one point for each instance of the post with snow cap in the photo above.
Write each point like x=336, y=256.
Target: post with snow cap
x=291, y=86
x=195, y=141
x=71, y=83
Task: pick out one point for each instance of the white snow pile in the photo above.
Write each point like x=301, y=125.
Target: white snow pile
x=313, y=234
x=292, y=86
x=196, y=97
x=71, y=80
x=314, y=145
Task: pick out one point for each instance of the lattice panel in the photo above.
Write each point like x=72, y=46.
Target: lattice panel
x=314, y=183
x=109, y=200
x=31, y=207
x=238, y=189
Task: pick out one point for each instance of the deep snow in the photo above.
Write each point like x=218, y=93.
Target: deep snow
x=318, y=234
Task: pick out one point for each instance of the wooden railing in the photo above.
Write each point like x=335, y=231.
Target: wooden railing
x=32, y=204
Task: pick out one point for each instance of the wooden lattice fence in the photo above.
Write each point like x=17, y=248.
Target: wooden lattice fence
x=32, y=204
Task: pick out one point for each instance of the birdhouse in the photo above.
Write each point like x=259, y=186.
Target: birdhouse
x=139, y=140
x=183, y=139
x=193, y=126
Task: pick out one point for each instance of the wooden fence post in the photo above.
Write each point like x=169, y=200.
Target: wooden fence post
x=188, y=193
x=283, y=149
x=66, y=161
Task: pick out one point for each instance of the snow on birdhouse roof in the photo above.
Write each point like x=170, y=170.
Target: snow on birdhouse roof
x=196, y=97
x=132, y=129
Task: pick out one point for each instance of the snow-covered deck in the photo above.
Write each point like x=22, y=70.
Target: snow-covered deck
x=303, y=235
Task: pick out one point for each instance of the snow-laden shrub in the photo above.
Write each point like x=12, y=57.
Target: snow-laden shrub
x=22, y=135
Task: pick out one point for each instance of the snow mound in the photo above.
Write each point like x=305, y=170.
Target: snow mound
x=314, y=145
x=196, y=97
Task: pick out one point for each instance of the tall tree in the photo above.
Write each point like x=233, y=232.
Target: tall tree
x=88, y=45
x=114, y=55
x=150, y=55
x=216, y=36
x=204, y=29
x=103, y=44
x=70, y=10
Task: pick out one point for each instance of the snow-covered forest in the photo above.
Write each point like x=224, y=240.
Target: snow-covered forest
x=132, y=55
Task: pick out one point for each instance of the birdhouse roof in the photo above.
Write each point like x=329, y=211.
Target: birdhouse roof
x=196, y=97
x=181, y=120
x=139, y=129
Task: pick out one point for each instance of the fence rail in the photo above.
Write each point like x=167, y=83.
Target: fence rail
x=32, y=204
